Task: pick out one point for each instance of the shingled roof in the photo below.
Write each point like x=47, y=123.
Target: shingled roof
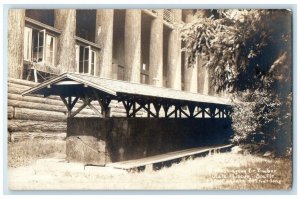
x=116, y=88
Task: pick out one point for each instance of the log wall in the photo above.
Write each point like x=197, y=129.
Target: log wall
x=39, y=117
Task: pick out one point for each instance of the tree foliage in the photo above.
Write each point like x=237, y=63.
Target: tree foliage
x=249, y=55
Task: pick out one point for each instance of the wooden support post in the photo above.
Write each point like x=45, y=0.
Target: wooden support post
x=69, y=104
x=95, y=110
x=87, y=101
x=157, y=107
x=66, y=104
x=127, y=106
x=79, y=109
x=203, y=111
x=73, y=103
x=166, y=108
x=199, y=112
x=212, y=111
x=191, y=110
x=104, y=103
x=133, y=109
x=143, y=105
x=182, y=111
x=35, y=75
x=148, y=112
x=173, y=112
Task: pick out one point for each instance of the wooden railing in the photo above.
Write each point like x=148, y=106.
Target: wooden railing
x=168, y=15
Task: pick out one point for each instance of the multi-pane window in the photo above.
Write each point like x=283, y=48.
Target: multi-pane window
x=39, y=46
x=85, y=59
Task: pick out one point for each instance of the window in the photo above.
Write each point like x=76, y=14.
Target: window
x=85, y=59
x=144, y=74
x=50, y=46
x=27, y=43
x=39, y=46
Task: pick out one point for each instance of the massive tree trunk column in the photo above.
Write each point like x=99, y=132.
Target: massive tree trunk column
x=156, y=50
x=202, y=78
x=16, y=24
x=190, y=73
x=174, y=55
x=132, y=47
x=65, y=20
x=104, y=37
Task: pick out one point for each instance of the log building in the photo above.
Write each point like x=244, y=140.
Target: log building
x=136, y=45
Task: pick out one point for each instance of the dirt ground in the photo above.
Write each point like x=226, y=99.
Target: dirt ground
x=219, y=171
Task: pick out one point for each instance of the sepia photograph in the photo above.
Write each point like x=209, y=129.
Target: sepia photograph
x=149, y=99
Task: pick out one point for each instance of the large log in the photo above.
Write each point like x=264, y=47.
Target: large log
x=10, y=112
x=37, y=106
x=20, y=86
x=15, y=90
x=43, y=104
x=65, y=20
x=104, y=37
x=132, y=49
x=22, y=82
x=38, y=126
x=174, y=55
x=17, y=136
x=16, y=24
x=39, y=115
x=19, y=90
x=156, y=50
x=190, y=74
x=34, y=99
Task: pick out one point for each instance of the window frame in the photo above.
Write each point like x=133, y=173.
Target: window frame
x=145, y=73
x=29, y=46
x=89, y=60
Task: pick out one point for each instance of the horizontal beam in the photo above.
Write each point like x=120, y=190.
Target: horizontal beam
x=67, y=83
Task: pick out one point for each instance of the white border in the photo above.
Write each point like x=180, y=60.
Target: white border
x=156, y=4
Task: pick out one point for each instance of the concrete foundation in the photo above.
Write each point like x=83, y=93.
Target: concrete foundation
x=104, y=140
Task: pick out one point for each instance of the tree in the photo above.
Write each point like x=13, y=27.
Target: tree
x=249, y=56
x=16, y=24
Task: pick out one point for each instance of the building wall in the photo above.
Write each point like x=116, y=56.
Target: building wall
x=90, y=25
x=166, y=69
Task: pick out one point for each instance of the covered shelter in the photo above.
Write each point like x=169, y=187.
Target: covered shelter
x=170, y=119
x=73, y=86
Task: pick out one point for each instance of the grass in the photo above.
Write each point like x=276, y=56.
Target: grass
x=217, y=172
x=226, y=171
x=26, y=152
